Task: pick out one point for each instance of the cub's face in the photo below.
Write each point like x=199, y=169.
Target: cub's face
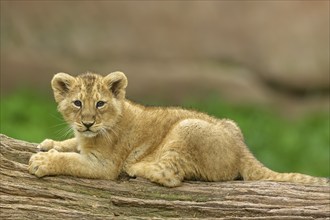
x=90, y=103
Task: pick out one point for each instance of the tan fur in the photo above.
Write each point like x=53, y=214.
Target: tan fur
x=164, y=145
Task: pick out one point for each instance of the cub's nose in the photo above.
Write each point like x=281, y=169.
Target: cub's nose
x=88, y=124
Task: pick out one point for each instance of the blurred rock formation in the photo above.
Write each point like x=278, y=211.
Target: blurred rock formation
x=273, y=53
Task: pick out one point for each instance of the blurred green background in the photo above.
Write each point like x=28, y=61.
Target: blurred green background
x=263, y=64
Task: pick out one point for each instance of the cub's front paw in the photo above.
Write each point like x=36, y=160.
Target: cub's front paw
x=46, y=145
x=43, y=164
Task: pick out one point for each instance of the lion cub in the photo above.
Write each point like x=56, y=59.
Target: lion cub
x=164, y=145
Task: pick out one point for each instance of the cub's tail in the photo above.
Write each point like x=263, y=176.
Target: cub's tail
x=252, y=169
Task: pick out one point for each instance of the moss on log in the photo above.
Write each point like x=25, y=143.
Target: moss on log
x=24, y=196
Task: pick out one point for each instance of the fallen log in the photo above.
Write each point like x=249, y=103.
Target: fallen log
x=24, y=196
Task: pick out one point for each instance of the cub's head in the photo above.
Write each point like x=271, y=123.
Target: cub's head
x=90, y=103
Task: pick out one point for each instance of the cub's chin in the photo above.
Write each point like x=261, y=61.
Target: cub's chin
x=88, y=134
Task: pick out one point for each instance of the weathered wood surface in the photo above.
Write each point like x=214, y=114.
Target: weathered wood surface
x=23, y=196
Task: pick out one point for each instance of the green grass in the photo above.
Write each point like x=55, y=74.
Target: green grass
x=300, y=145
x=31, y=116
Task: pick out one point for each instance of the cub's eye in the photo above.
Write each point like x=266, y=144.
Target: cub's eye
x=77, y=103
x=99, y=104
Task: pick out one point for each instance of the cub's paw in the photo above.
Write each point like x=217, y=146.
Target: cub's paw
x=46, y=145
x=43, y=164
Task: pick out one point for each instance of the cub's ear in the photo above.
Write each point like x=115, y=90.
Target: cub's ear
x=61, y=84
x=116, y=82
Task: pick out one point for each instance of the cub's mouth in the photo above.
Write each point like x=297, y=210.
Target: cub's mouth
x=88, y=130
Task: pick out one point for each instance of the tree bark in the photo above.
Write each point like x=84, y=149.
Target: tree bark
x=24, y=196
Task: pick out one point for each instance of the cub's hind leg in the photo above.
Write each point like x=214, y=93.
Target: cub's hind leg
x=166, y=170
